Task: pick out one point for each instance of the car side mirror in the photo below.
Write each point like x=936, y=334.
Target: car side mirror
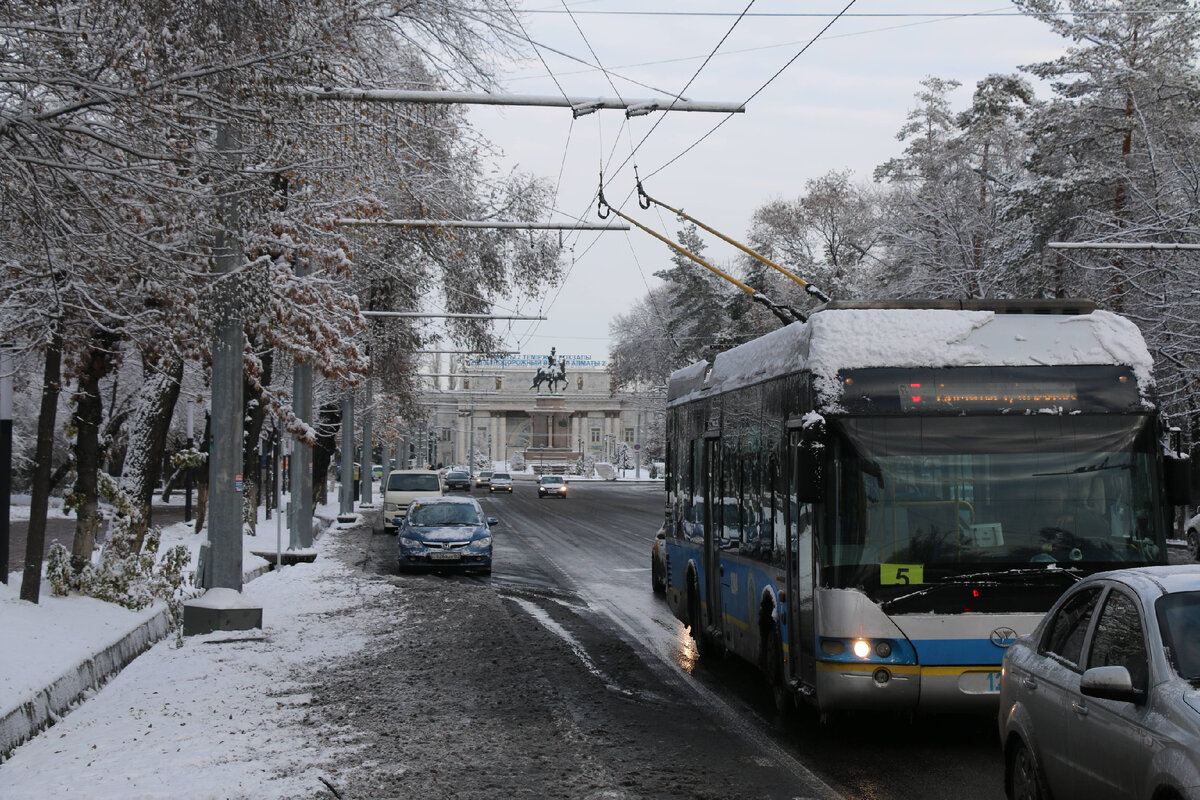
x=1110, y=683
x=493, y=521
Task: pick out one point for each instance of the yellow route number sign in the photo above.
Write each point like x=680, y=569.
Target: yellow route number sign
x=893, y=574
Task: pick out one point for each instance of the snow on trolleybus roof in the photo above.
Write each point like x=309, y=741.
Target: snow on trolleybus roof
x=849, y=335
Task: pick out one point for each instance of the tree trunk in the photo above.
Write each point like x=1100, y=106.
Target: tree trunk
x=327, y=426
x=35, y=543
x=89, y=416
x=202, y=475
x=255, y=414
x=148, y=438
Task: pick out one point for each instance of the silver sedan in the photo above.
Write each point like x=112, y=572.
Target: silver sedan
x=1102, y=700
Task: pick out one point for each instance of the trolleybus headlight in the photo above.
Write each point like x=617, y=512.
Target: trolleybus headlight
x=883, y=649
x=832, y=647
x=862, y=648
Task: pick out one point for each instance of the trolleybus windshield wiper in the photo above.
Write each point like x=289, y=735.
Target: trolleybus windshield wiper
x=998, y=578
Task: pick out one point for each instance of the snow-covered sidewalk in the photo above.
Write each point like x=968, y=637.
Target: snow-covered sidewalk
x=192, y=717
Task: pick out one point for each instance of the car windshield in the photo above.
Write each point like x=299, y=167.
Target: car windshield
x=458, y=476
x=413, y=482
x=552, y=481
x=428, y=514
x=500, y=476
x=1179, y=618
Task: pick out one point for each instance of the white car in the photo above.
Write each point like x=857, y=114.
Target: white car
x=402, y=487
x=501, y=482
x=552, y=486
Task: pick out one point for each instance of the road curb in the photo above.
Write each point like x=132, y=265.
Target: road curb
x=48, y=705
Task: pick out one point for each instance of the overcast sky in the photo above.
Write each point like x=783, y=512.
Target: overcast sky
x=837, y=106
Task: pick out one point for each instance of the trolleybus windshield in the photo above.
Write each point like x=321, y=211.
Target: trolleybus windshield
x=988, y=501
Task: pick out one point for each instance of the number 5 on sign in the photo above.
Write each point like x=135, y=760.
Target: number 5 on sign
x=891, y=574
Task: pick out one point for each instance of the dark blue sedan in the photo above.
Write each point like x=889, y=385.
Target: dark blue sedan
x=440, y=532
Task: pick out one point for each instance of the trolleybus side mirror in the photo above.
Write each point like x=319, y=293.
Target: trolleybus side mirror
x=1177, y=474
x=811, y=464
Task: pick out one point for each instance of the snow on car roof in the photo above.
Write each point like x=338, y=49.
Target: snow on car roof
x=857, y=338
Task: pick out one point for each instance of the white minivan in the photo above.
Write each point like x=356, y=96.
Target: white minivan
x=402, y=487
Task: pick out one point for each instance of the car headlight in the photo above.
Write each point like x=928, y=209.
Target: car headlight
x=406, y=542
x=484, y=541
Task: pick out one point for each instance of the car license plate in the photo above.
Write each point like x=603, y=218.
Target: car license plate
x=979, y=682
x=445, y=556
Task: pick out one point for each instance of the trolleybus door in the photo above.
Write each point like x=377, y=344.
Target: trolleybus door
x=802, y=663
x=713, y=569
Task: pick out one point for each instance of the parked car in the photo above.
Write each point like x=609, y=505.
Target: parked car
x=458, y=480
x=402, y=487
x=1103, y=698
x=446, y=532
x=552, y=486
x=483, y=478
x=1193, y=537
x=500, y=482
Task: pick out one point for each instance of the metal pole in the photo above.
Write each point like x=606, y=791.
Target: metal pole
x=190, y=472
x=638, y=450
x=578, y=105
x=224, y=569
x=366, y=495
x=6, y=422
x=350, y=222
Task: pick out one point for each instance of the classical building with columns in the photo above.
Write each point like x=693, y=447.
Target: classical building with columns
x=550, y=409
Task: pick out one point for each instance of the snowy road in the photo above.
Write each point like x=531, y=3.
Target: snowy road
x=575, y=573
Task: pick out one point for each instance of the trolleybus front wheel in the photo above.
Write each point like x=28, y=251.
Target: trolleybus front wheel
x=773, y=667
x=704, y=644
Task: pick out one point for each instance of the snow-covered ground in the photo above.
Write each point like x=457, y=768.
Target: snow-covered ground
x=200, y=715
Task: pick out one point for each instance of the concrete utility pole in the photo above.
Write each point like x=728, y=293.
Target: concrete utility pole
x=6, y=426
x=346, y=505
x=223, y=568
x=220, y=566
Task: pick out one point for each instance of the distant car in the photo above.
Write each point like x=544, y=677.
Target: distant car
x=1193, y=538
x=376, y=472
x=1103, y=698
x=446, y=532
x=458, y=480
x=483, y=478
x=500, y=482
x=658, y=562
x=552, y=486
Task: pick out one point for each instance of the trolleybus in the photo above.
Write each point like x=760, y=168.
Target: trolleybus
x=872, y=504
